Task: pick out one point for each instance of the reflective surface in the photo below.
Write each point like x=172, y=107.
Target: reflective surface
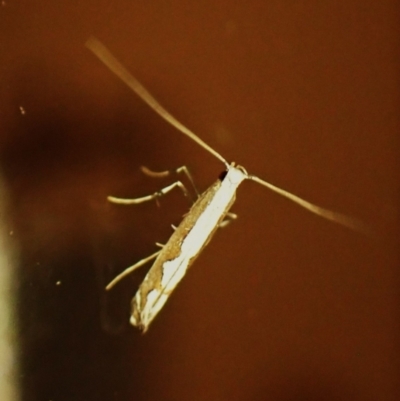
x=282, y=305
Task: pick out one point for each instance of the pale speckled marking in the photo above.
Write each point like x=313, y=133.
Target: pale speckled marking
x=169, y=272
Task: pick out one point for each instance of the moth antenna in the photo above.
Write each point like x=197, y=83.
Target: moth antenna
x=120, y=71
x=336, y=217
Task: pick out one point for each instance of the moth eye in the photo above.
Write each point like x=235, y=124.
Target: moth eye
x=223, y=175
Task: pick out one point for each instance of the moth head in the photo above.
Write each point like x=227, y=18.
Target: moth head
x=236, y=174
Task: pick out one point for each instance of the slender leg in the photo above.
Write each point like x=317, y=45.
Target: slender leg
x=147, y=198
x=162, y=192
x=186, y=171
x=130, y=269
x=228, y=219
x=162, y=174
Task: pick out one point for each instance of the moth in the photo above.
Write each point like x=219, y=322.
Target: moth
x=208, y=213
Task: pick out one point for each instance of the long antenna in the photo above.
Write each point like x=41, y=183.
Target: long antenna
x=336, y=217
x=118, y=69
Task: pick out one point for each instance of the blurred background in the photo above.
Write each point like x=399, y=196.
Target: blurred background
x=282, y=305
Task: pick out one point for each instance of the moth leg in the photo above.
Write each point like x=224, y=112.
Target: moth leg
x=179, y=170
x=130, y=269
x=185, y=170
x=147, y=198
x=227, y=220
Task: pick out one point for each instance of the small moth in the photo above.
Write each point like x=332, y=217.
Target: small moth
x=210, y=211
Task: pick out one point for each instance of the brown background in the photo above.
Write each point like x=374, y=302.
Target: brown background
x=282, y=305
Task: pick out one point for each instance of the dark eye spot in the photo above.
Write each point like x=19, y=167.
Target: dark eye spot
x=222, y=175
